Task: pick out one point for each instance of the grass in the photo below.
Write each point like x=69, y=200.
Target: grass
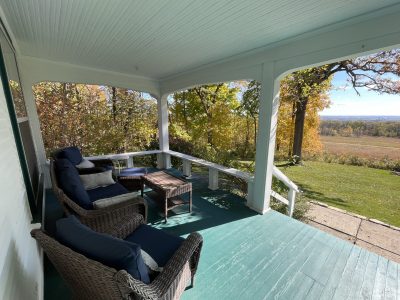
x=363, y=147
x=366, y=191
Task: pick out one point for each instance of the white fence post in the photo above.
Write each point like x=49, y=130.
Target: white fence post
x=167, y=161
x=129, y=162
x=212, y=179
x=292, y=200
x=250, y=191
x=160, y=161
x=163, y=161
x=187, y=168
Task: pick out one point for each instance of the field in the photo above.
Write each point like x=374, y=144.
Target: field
x=369, y=192
x=365, y=147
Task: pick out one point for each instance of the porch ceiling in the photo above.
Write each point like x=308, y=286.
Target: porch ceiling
x=161, y=38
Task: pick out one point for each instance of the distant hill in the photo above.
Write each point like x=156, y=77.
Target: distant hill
x=362, y=118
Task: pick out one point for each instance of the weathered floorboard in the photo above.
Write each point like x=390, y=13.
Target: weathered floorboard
x=274, y=257
x=391, y=281
x=358, y=279
x=380, y=279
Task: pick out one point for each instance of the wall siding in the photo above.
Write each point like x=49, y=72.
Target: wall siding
x=21, y=272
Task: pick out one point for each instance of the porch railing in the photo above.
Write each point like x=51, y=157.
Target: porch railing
x=213, y=172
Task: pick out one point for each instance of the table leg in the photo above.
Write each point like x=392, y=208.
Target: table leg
x=166, y=209
x=190, y=201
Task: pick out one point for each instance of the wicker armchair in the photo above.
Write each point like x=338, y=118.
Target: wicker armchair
x=102, y=220
x=89, y=279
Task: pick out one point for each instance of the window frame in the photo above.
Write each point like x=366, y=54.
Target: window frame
x=14, y=120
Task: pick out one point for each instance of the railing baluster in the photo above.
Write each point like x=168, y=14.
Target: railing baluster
x=212, y=179
x=160, y=163
x=187, y=167
x=129, y=162
x=292, y=200
x=250, y=191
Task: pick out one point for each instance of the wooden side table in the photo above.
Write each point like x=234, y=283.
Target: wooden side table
x=169, y=189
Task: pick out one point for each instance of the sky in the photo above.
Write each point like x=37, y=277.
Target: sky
x=346, y=102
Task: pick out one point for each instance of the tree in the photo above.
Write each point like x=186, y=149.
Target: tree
x=298, y=100
x=98, y=119
x=205, y=115
x=301, y=86
x=368, y=71
x=250, y=104
x=317, y=99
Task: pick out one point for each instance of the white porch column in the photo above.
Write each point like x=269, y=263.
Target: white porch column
x=265, y=148
x=163, y=135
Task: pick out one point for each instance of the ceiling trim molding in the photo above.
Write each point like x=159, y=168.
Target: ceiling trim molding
x=34, y=70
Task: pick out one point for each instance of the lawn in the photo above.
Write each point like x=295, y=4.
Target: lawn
x=369, y=192
x=363, y=147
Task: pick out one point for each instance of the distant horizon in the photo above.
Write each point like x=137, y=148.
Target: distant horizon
x=366, y=118
x=394, y=116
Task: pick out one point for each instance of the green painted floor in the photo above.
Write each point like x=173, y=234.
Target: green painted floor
x=249, y=256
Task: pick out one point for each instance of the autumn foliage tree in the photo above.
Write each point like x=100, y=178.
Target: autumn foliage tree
x=205, y=117
x=373, y=72
x=217, y=118
x=250, y=108
x=94, y=118
x=290, y=97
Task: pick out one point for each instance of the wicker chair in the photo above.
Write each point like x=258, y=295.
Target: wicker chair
x=89, y=279
x=102, y=220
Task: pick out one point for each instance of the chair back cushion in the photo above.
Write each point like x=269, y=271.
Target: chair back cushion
x=108, y=250
x=85, y=164
x=70, y=182
x=102, y=179
x=159, y=244
x=73, y=154
x=112, y=190
x=93, y=170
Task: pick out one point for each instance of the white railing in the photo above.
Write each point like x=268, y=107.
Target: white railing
x=128, y=157
x=163, y=158
x=293, y=189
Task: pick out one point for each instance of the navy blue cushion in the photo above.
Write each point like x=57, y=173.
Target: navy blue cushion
x=157, y=243
x=112, y=190
x=93, y=170
x=70, y=182
x=108, y=250
x=132, y=172
x=73, y=154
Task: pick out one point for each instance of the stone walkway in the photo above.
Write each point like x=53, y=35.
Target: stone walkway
x=372, y=235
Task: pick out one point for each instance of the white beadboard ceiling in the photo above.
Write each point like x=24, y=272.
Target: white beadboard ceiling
x=159, y=38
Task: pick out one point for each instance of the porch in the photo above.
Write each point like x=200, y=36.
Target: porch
x=250, y=251
x=283, y=258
